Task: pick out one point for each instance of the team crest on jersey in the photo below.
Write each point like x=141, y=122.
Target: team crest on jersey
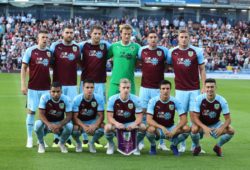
x=132, y=48
x=130, y=106
x=102, y=46
x=74, y=48
x=61, y=105
x=171, y=107
x=48, y=54
x=216, y=106
x=190, y=53
x=93, y=104
x=159, y=53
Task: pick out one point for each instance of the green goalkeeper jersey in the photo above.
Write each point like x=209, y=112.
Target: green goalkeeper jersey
x=124, y=61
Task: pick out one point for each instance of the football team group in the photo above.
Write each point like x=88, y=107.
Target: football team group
x=69, y=115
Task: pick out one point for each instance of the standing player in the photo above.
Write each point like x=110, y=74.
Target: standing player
x=52, y=110
x=206, y=118
x=123, y=111
x=37, y=58
x=124, y=54
x=94, y=59
x=88, y=115
x=93, y=62
x=65, y=56
x=161, y=112
x=188, y=64
x=153, y=59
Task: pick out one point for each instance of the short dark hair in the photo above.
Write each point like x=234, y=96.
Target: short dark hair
x=210, y=80
x=67, y=26
x=97, y=27
x=165, y=82
x=88, y=81
x=56, y=84
x=43, y=32
x=151, y=32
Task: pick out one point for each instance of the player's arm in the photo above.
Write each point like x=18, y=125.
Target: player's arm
x=139, y=61
x=24, y=71
x=96, y=125
x=137, y=122
x=110, y=52
x=227, y=117
x=203, y=76
x=226, y=124
x=112, y=121
x=66, y=120
x=182, y=117
x=195, y=119
x=138, y=119
x=52, y=58
x=202, y=70
x=181, y=124
x=152, y=122
x=100, y=112
x=79, y=58
x=78, y=122
x=100, y=119
x=50, y=125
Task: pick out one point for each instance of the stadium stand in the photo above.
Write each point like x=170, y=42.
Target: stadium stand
x=226, y=42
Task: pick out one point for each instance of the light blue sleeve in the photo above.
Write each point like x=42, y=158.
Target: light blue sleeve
x=178, y=107
x=52, y=47
x=27, y=56
x=138, y=104
x=224, y=106
x=200, y=56
x=111, y=102
x=151, y=106
x=81, y=44
x=139, y=53
x=68, y=104
x=76, y=103
x=100, y=102
x=197, y=104
x=43, y=101
x=169, y=56
x=106, y=43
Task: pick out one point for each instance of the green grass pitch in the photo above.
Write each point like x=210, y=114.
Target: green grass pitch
x=14, y=155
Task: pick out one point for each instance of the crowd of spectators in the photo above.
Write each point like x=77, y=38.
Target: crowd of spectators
x=226, y=46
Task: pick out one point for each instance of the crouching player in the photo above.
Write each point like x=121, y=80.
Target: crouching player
x=124, y=112
x=52, y=110
x=206, y=118
x=88, y=109
x=160, y=118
